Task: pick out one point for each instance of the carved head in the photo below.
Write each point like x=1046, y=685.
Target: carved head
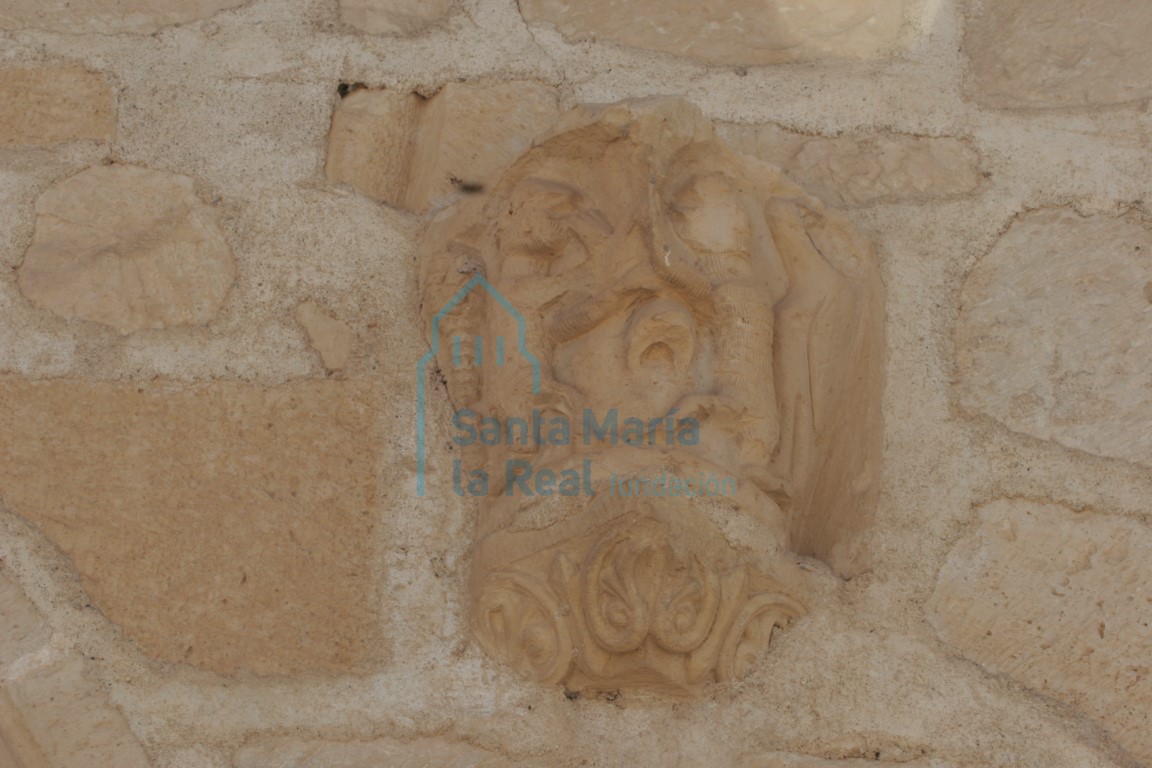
x=663, y=281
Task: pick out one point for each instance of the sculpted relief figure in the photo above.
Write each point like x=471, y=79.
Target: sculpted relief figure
x=669, y=386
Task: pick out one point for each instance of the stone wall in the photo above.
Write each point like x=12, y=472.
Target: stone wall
x=211, y=552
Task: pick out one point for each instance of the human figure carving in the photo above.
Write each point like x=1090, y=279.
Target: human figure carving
x=662, y=277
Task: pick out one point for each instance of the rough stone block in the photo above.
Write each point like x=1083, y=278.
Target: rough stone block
x=1053, y=333
x=47, y=105
x=330, y=337
x=1061, y=602
x=228, y=526
x=56, y=717
x=393, y=16
x=729, y=31
x=1059, y=53
x=786, y=760
x=423, y=753
x=370, y=142
x=128, y=247
x=420, y=153
x=102, y=17
x=865, y=170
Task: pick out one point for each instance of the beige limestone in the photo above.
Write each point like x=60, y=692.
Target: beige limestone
x=1052, y=338
x=370, y=142
x=227, y=526
x=56, y=717
x=102, y=17
x=468, y=133
x=419, y=153
x=128, y=247
x=658, y=273
x=46, y=105
x=393, y=16
x=865, y=170
x=1062, y=602
x=243, y=104
x=421, y=753
x=330, y=337
x=8, y=755
x=785, y=760
x=748, y=32
x=22, y=628
x=1059, y=53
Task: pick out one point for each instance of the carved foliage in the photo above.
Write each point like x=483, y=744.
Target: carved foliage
x=658, y=275
x=633, y=611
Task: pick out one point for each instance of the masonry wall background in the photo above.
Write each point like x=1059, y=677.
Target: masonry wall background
x=211, y=553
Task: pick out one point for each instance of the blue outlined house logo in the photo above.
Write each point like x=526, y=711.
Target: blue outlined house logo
x=496, y=356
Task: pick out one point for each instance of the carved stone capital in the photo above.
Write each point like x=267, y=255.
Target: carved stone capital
x=682, y=349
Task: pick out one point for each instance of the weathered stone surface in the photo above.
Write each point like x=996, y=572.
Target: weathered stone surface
x=420, y=153
x=393, y=16
x=1059, y=53
x=370, y=142
x=128, y=247
x=886, y=169
x=1053, y=333
x=330, y=337
x=730, y=31
x=101, y=16
x=46, y=105
x=1061, y=602
x=786, y=760
x=228, y=526
x=466, y=133
x=55, y=717
x=422, y=753
x=659, y=273
x=868, y=169
x=22, y=630
x=8, y=755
